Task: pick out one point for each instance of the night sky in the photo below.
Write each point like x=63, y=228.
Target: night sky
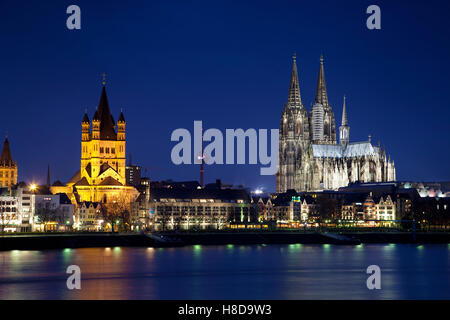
x=228, y=64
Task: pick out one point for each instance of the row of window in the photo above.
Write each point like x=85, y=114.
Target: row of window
x=7, y=183
x=7, y=203
x=107, y=150
x=103, y=149
x=199, y=210
x=7, y=209
x=89, y=217
x=192, y=220
x=8, y=217
x=6, y=174
x=202, y=200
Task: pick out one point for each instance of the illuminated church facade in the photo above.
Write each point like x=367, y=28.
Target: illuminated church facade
x=101, y=177
x=311, y=158
x=8, y=167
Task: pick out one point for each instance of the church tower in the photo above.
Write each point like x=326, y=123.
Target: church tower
x=104, y=148
x=102, y=168
x=294, y=134
x=8, y=167
x=322, y=123
x=344, y=129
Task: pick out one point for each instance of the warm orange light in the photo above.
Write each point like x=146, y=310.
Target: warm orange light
x=33, y=187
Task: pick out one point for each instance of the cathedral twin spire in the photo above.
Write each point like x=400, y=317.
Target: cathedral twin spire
x=321, y=122
x=294, y=97
x=321, y=90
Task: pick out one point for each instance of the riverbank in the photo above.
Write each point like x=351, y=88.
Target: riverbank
x=172, y=239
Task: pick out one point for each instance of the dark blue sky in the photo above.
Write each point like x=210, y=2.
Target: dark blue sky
x=228, y=64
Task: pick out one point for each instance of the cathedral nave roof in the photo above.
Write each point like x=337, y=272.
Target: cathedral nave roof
x=359, y=149
x=352, y=150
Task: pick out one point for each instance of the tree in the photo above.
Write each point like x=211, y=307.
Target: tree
x=327, y=208
x=45, y=215
x=116, y=212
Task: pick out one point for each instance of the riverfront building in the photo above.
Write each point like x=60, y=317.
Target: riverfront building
x=199, y=208
x=8, y=167
x=16, y=209
x=360, y=202
x=53, y=212
x=88, y=216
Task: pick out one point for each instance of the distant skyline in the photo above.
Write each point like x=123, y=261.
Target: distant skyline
x=228, y=64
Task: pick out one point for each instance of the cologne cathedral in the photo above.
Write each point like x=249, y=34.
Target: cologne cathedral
x=310, y=158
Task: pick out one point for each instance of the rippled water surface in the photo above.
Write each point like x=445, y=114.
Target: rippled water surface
x=229, y=272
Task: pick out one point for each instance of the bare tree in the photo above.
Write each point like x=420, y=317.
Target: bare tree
x=327, y=208
x=46, y=215
x=116, y=212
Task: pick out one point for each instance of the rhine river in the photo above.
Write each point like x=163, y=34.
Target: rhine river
x=230, y=272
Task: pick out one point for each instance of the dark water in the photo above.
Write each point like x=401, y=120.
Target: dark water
x=230, y=272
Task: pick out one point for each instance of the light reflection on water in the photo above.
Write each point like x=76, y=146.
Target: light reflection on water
x=295, y=271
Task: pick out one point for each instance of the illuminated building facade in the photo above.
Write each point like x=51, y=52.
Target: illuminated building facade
x=101, y=177
x=311, y=159
x=52, y=212
x=182, y=208
x=386, y=209
x=8, y=167
x=88, y=216
x=16, y=209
